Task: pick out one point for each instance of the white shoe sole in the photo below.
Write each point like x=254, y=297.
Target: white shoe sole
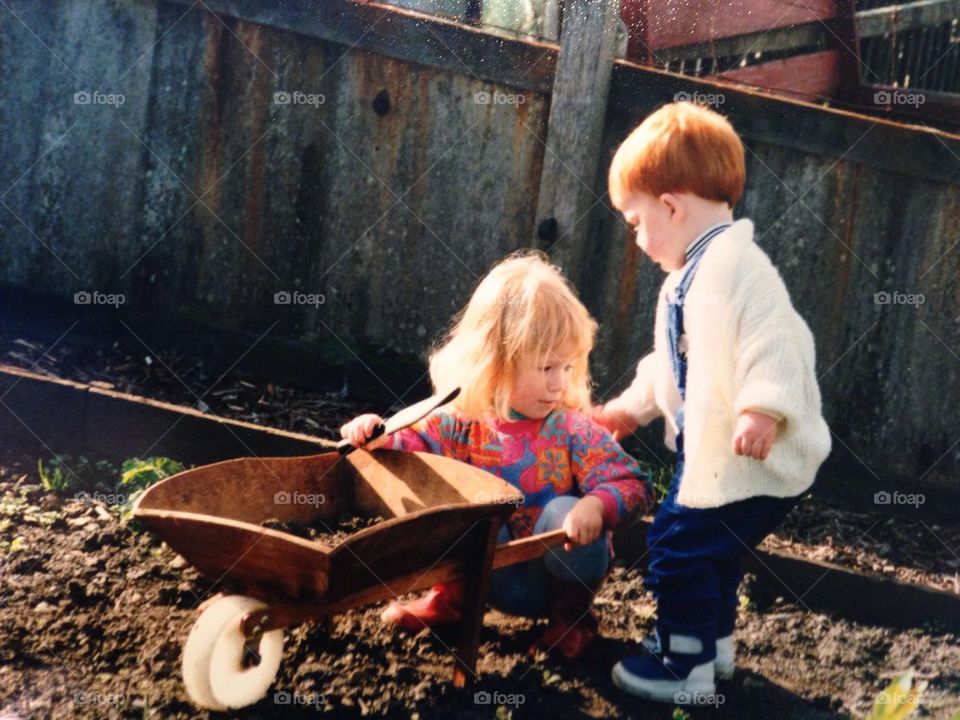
x=697, y=689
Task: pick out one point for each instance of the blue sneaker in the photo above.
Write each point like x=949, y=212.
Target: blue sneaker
x=724, y=664
x=681, y=674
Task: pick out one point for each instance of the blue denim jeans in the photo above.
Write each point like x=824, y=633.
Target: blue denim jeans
x=524, y=589
x=694, y=558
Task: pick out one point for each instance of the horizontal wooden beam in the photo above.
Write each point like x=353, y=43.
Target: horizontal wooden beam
x=762, y=116
x=909, y=104
x=528, y=548
x=406, y=35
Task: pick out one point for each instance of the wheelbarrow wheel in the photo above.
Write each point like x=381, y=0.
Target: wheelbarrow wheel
x=216, y=674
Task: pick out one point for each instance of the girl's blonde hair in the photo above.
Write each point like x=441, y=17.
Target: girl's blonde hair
x=524, y=305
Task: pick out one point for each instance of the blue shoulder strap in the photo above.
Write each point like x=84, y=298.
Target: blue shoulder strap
x=676, y=328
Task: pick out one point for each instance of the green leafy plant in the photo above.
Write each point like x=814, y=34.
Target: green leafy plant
x=13, y=546
x=75, y=473
x=137, y=475
x=679, y=714
x=899, y=699
x=57, y=477
x=661, y=477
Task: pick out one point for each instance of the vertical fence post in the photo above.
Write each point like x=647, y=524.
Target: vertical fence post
x=578, y=106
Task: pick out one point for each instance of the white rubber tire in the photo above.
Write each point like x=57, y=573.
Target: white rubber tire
x=213, y=672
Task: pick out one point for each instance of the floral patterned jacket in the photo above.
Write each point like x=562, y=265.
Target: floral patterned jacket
x=565, y=453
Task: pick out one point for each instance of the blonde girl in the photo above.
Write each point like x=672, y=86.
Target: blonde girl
x=519, y=351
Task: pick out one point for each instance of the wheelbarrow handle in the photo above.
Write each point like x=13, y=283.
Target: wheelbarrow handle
x=528, y=548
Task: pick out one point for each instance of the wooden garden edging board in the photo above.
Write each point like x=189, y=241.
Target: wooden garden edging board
x=827, y=587
x=64, y=417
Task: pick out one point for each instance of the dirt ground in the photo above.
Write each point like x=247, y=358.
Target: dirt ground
x=93, y=617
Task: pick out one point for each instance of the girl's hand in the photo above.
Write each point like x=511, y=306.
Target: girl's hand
x=618, y=422
x=360, y=428
x=584, y=523
x=754, y=434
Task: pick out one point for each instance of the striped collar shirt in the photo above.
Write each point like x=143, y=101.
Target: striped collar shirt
x=699, y=245
x=693, y=254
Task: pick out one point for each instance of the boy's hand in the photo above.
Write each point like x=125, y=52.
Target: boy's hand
x=754, y=434
x=360, y=428
x=584, y=523
x=617, y=422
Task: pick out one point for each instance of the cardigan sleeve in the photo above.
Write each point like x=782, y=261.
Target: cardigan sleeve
x=639, y=400
x=774, y=354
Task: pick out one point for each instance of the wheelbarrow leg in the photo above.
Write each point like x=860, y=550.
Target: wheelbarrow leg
x=479, y=561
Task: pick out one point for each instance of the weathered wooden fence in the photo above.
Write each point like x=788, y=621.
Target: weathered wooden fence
x=202, y=157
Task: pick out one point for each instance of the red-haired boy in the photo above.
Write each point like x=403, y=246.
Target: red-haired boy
x=732, y=373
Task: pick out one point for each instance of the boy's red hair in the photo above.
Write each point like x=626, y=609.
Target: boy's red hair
x=682, y=147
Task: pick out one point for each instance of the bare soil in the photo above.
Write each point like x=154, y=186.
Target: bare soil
x=93, y=616
x=913, y=551
x=332, y=533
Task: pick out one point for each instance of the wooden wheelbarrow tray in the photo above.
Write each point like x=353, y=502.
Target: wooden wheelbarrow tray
x=441, y=519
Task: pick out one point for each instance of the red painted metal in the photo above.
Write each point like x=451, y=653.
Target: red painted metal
x=805, y=77
x=659, y=24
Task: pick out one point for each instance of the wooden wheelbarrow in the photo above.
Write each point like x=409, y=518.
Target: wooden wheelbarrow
x=441, y=519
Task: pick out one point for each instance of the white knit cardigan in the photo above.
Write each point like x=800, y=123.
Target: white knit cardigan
x=747, y=349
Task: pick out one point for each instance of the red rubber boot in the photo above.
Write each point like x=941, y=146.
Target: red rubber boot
x=442, y=605
x=572, y=626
